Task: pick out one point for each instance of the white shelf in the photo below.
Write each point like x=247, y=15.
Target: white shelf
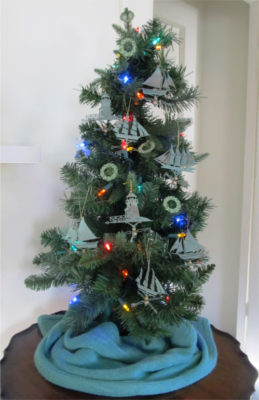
x=20, y=155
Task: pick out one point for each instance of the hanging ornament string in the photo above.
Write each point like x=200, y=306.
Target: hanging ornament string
x=81, y=210
x=148, y=251
x=178, y=134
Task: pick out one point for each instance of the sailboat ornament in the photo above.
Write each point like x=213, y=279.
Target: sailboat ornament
x=177, y=161
x=80, y=236
x=129, y=130
x=187, y=247
x=149, y=288
x=159, y=82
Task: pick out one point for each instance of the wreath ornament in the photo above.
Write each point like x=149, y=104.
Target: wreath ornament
x=172, y=208
x=146, y=147
x=109, y=171
x=127, y=47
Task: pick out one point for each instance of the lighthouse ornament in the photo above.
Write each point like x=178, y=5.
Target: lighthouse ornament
x=131, y=213
x=105, y=111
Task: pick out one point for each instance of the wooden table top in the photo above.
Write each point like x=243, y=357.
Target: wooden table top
x=233, y=378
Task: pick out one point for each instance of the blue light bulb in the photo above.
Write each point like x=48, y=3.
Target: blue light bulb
x=180, y=220
x=83, y=148
x=125, y=78
x=74, y=300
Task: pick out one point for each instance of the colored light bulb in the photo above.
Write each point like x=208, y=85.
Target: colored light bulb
x=137, y=29
x=124, y=144
x=156, y=40
x=182, y=134
x=158, y=47
x=128, y=118
x=140, y=95
x=167, y=298
x=73, y=248
x=129, y=148
x=140, y=188
x=124, y=78
x=107, y=246
x=126, y=307
x=125, y=273
x=82, y=147
x=101, y=192
x=74, y=300
x=180, y=220
x=181, y=235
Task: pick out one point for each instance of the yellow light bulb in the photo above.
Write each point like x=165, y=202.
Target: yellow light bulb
x=126, y=307
x=181, y=235
x=129, y=148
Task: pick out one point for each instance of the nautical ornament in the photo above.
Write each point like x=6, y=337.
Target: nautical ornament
x=131, y=214
x=149, y=288
x=167, y=203
x=177, y=161
x=146, y=147
x=159, y=81
x=109, y=171
x=80, y=236
x=187, y=247
x=129, y=130
x=105, y=112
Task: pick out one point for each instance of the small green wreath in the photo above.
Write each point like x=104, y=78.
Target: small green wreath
x=127, y=47
x=109, y=171
x=169, y=207
x=146, y=147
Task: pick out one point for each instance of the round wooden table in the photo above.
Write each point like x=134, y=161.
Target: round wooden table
x=233, y=378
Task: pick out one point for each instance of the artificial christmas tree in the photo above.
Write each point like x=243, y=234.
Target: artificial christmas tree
x=131, y=252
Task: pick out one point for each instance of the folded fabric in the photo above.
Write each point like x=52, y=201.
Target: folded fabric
x=102, y=362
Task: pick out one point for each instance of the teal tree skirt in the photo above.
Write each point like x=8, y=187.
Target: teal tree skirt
x=104, y=363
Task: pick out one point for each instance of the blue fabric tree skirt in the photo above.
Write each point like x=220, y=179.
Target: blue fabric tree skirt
x=104, y=363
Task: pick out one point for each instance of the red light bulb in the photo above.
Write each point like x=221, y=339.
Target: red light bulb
x=137, y=29
x=124, y=144
x=167, y=298
x=129, y=118
x=125, y=273
x=182, y=134
x=107, y=246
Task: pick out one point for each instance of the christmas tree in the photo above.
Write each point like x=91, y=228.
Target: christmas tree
x=131, y=252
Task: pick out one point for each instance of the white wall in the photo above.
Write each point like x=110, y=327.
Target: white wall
x=223, y=77
x=221, y=73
